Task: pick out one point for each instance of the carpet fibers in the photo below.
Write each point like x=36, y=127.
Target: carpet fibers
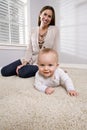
x=22, y=107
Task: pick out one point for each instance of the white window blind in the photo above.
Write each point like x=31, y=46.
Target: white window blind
x=12, y=22
x=73, y=27
x=67, y=21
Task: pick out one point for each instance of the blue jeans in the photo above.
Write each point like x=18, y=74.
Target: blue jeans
x=25, y=72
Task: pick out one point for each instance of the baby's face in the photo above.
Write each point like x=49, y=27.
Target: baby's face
x=47, y=64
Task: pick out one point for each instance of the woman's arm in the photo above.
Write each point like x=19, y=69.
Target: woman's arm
x=56, y=39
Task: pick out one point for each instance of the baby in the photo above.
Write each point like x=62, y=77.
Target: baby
x=50, y=75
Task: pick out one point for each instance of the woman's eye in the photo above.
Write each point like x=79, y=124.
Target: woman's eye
x=45, y=14
x=50, y=16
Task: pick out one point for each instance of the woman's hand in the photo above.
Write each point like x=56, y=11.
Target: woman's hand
x=19, y=67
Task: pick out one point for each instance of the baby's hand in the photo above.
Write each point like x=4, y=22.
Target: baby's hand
x=49, y=90
x=72, y=93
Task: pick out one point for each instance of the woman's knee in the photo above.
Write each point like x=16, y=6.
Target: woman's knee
x=28, y=71
x=3, y=72
x=7, y=72
x=10, y=69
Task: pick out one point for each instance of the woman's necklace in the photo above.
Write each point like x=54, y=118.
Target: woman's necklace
x=41, y=38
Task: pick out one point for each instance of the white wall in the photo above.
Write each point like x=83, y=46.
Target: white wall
x=73, y=31
x=10, y=55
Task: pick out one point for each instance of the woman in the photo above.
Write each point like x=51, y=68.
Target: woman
x=43, y=36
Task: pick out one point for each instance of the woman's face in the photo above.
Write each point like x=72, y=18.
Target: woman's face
x=46, y=17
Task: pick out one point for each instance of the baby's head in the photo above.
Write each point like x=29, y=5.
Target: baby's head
x=47, y=62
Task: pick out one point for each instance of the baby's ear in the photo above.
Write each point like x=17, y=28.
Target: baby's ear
x=57, y=65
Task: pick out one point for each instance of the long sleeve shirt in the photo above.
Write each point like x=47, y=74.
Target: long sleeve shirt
x=51, y=41
x=59, y=78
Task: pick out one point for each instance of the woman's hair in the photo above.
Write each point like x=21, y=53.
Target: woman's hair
x=53, y=14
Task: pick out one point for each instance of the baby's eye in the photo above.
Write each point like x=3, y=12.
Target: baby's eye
x=50, y=64
x=42, y=65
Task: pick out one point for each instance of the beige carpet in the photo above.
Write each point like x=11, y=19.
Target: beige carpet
x=24, y=108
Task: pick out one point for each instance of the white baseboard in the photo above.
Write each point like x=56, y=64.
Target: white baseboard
x=78, y=66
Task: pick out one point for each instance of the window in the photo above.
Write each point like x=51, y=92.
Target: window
x=12, y=22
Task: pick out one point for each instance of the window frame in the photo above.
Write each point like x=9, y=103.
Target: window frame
x=15, y=46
